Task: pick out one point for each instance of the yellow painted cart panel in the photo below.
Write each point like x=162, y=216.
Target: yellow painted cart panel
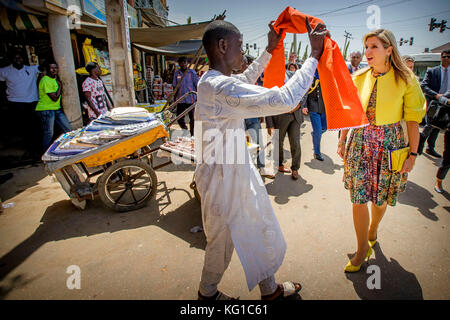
x=125, y=148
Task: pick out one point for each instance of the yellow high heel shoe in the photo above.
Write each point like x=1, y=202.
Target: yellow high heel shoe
x=351, y=268
x=373, y=242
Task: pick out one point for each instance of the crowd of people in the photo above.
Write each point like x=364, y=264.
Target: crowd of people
x=34, y=95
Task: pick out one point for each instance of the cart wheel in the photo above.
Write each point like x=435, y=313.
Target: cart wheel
x=127, y=185
x=193, y=186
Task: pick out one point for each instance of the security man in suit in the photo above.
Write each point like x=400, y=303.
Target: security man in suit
x=434, y=85
x=288, y=123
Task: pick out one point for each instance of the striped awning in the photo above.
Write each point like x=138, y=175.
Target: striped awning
x=11, y=20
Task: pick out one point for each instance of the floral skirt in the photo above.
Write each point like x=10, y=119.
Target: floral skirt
x=366, y=164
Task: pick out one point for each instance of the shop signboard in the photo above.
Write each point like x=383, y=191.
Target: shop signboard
x=59, y=3
x=95, y=9
x=65, y=4
x=127, y=30
x=132, y=14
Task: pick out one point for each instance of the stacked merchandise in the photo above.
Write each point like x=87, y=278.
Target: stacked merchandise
x=167, y=90
x=157, y=88
x=150, y=75
x=139, y=82
x=182, y=147
x=153, y=108
x=109, y=127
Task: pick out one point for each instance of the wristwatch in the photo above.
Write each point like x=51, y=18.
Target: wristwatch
x=413, y=154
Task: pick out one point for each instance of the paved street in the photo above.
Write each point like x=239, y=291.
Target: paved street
x=151, y=253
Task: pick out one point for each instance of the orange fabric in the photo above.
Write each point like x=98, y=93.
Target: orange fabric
x=342, y=104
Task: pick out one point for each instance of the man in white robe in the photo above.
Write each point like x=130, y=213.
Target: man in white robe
x=236, y=209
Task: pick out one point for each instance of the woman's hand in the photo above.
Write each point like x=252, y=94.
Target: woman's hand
x=341, y=150
x=305, y=111
x=408, y=164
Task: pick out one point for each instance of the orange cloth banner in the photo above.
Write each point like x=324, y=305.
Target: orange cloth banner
x=342, y=104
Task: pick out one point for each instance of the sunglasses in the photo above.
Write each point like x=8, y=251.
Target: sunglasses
x=445, y=57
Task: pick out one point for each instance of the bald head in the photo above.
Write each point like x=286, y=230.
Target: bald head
x=355, y=58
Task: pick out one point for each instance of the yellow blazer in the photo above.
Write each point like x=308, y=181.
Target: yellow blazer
x=395, y=100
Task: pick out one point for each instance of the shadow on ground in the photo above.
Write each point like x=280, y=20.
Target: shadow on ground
x=63, y=221
x=419, y=197
x=327, y=166
x=23, y=178
x=396, y=283
x=284, y=187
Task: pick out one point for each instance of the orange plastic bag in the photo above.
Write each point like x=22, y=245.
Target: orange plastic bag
x=342, y=104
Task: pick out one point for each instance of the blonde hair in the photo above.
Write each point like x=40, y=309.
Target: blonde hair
x=387, y=38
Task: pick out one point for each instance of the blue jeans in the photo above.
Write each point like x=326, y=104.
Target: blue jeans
x=253, y=126
x=48, y=118
x=319, y=125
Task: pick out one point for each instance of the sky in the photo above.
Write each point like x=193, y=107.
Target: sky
x=405, y=18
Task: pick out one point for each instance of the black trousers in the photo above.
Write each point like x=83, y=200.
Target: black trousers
x=429, y=133
x=287, y=124
x=25, y=124
x=180, y=108
x=445, y=163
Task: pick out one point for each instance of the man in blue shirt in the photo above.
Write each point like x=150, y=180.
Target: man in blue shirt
x=189, y=83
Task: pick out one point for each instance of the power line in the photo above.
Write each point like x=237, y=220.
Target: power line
x=364, y=10
x=396, y=21
x=344, y=8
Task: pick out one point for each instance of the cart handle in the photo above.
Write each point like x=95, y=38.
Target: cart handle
x=179, y=99
x=185, y=111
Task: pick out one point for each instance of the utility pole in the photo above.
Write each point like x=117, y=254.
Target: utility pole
x=295, y=43
x=347, y=36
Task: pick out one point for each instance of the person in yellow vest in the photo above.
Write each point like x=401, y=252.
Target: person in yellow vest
x=48, y=107
x=389, y=92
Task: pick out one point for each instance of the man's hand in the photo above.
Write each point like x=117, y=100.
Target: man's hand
x=273, y=38
x=305, y=111
x=316, y=38
x=438, y=96
x=269, y=131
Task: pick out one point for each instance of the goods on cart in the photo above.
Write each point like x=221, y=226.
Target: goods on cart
x=153, y=107
x=182, y=147
x=111, y=126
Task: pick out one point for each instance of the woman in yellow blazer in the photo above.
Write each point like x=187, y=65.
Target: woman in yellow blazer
x=389, y=92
